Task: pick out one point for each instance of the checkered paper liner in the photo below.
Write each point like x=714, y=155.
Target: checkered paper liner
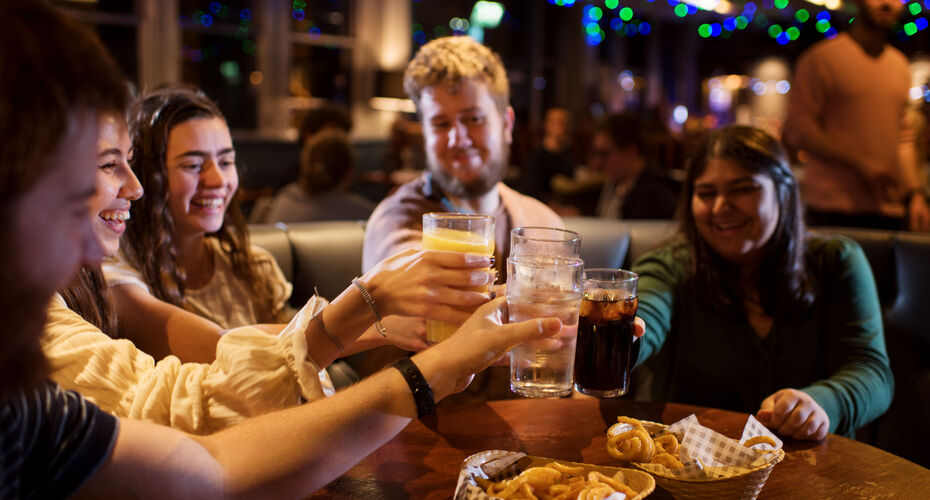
x=498, y=465
x=709, y=455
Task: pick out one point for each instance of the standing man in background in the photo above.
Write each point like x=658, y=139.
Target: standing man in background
x=846, y=110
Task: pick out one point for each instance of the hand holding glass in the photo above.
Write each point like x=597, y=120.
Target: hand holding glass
x=467, y=233
x=605, y=332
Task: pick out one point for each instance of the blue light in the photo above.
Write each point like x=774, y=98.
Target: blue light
x=830, y=33
x=586, y=11
x=692, y=10
x=206, y=20
x=750, y=8
x=631, y=29
x=673, y=2
x=616, y=23
x=715, y=29
x=593, y=39
x=215, y=7
x=245, y=14
x=783, y=38
x=729, y=24
x=921, y=23
x=568, y=3
x=645, y=28
x=825, y=16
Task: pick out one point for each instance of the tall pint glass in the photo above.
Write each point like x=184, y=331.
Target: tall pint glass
x=467, y=233
x=534, y=240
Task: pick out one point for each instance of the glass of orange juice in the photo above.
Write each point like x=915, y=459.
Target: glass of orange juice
x=467, y=233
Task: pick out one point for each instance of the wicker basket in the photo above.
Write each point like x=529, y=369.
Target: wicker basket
x=742, y=486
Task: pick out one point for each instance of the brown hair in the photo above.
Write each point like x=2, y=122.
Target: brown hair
x=786, y=287
x=452, y=61
x=326, y=162
x=148, y=244
x=89, y=296
x=50, y=68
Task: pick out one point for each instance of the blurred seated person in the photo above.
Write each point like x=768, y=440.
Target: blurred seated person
x=749, y=312
x=321, y=192
x=552, y=158
x=634, y=188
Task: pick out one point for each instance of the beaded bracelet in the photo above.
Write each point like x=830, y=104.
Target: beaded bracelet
x=366, y=296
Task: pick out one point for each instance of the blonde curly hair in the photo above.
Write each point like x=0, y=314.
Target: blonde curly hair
x=452, y=61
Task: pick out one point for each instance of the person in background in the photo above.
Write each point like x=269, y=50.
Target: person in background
x=749, y=312
x=54, y=443
x=462, y=96
x=321, y=192
x=552, y=158
x=634, y=188
x=846, y=111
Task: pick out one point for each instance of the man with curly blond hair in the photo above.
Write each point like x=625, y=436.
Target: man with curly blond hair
x=463, y=99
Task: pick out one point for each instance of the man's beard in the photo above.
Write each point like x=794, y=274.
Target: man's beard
x=491, y=173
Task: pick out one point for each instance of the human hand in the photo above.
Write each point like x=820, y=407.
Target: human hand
x=430, y=284
x=639, y=328
x=794, y=413
x=918, y=214
x=405, y=332
x=483, y=339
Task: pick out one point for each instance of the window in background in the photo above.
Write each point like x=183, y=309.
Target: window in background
x=218, y=55
x=320, y=65
x=116, y=23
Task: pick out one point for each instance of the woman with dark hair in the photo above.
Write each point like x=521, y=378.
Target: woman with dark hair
x=747, y=311
x=188, y=244
x=322, y=188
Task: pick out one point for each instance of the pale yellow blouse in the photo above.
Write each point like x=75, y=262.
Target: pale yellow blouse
x=253, y=373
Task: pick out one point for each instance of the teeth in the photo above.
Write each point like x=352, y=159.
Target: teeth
x=209, y=202
x=119, y=215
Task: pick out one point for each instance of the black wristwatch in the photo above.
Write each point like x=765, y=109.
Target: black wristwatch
x=422, y=392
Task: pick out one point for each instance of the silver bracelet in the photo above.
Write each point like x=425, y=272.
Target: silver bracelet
x=366, y=296
x=329, y=334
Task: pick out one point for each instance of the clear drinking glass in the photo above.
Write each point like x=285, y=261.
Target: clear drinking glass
x=467, y=233
x=605, y=332
x=540, y=286
x=533, y=240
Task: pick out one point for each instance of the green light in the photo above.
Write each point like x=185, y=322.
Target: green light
x=774, y=30
x=704, y=30
x=230, y=69
x=595, y=13
x=910, y=29
x=681, y=10
x=487, y=14
x=915, y=8
x=822, y=25
x=592, y=29
x=626, y=13
x=781, y=4
x=793, y=32
x=741, y=23
x=611, y=4
x=802, y=15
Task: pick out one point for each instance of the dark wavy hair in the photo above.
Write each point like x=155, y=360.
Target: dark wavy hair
x=51, y=68
x=148, y=245
x=785, y=284
x=89, y=296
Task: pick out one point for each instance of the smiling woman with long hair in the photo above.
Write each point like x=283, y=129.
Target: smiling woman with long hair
x=747, y=311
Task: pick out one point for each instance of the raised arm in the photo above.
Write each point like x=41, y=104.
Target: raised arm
x=297, y=451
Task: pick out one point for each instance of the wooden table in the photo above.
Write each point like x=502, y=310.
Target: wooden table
x=423, y=461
